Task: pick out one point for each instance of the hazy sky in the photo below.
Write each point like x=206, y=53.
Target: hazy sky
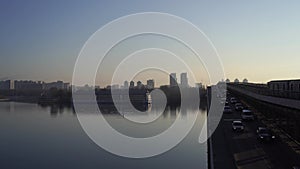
x=259, y=40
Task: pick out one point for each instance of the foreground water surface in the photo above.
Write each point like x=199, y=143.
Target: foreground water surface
x=36, y=137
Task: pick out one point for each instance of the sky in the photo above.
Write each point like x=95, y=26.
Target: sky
x=258, y=40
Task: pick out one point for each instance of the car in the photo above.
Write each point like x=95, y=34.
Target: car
x=239, y=106
x=237, y=125
x=227, y=109
x=264, y=134
x=233, y=100
x=247, y=115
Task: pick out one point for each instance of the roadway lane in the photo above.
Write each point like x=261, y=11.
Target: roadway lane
x=245, y=151
x=280, y=153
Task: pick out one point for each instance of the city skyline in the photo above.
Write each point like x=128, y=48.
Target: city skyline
x=149, y=83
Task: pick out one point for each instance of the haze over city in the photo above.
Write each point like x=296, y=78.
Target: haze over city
x=259, y=41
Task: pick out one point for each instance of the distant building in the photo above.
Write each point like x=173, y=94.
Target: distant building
x=58, y=85
x=184, y=80
x=139, y=84
x=27, y=85
x=131, y=84
x=173, y=79
x=150, y=84
x=295, y=85
x=67, y=86
x=125, y=84
x=236, y=81
x=285, y=85
x=6, y=85
x=245, y=80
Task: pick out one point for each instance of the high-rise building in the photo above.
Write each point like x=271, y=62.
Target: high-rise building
x=173, y=79
x=125, y=84
x=131, y=85
x=139, y=84
x=184, y=80
x=150, y=84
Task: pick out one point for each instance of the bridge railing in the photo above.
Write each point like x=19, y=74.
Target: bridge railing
x=264, y=90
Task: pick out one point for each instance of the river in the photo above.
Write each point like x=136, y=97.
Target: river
x=36, y=137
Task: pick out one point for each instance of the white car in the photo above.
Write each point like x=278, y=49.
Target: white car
x=247, y=115
x=238, y=125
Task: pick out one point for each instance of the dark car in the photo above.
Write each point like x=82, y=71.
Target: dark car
x=247, y=115
x=239, y=107
x=233, y=100
x=237, y=125
x=227, y=109
x=265, y=134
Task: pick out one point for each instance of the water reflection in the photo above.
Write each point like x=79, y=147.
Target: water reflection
x=31, y=138
x=56, y=109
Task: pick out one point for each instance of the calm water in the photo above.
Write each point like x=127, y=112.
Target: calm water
x=51, y=137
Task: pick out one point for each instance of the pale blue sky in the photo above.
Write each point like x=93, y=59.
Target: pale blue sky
x=260, y=40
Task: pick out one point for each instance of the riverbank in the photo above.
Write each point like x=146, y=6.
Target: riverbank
x=4, y=100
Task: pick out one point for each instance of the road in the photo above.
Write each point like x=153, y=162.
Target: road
x=244, y=151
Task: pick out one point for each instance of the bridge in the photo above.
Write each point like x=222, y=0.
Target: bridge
x=278, y=110
x=261, y=93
